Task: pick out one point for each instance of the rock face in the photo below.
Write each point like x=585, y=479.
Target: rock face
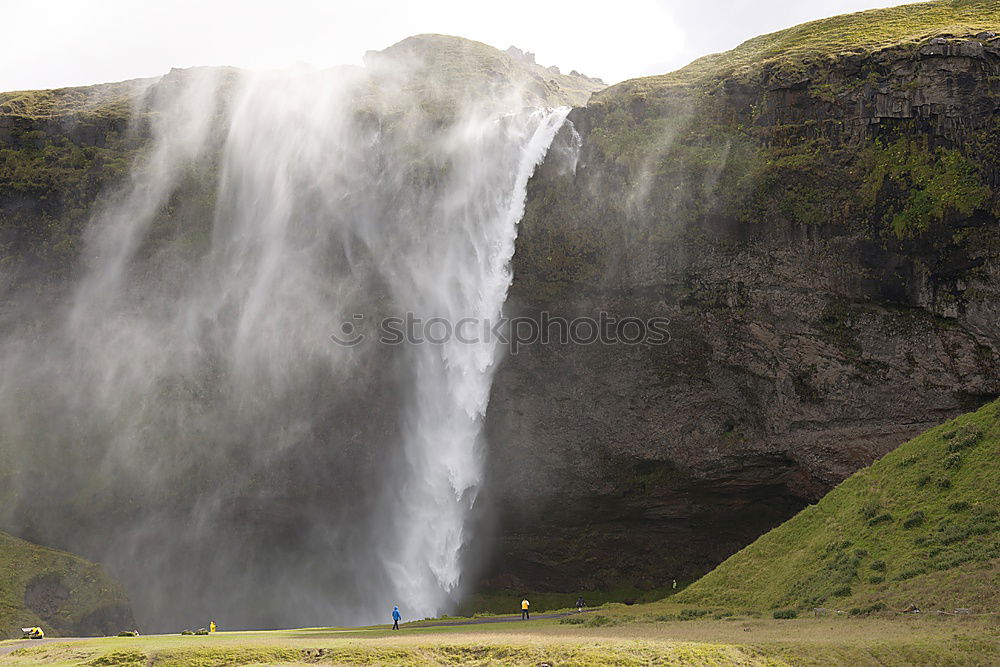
x=816, y=323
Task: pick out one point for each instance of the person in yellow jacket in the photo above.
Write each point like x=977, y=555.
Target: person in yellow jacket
x=211, y=626
x=524, y=610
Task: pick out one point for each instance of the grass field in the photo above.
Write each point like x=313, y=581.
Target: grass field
x=626, y=636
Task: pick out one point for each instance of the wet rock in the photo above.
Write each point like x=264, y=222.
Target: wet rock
x=798, y=354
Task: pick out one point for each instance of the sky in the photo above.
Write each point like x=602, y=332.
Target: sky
x=75, y=42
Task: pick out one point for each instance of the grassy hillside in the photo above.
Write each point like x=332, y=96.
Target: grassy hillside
x=920, y=527
x=63, y=593
x=859, y=33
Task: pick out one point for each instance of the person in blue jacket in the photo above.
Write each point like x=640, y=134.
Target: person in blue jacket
x=395, y=618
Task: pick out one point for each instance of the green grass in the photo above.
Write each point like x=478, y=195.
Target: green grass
x=508, y=601
x=920, y=527
x=86, y=587
x=819, y=41
x=108, y=100
x=701, y=641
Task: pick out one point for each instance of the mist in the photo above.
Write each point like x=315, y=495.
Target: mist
x=184, y=413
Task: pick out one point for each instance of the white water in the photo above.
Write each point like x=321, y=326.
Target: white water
x=246, y=465
x=470, y=277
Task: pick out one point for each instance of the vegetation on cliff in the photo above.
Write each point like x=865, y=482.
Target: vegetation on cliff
x=919, y=527
x=61, y=150
x=880, y=123
x=825, y=41
x=62, y=593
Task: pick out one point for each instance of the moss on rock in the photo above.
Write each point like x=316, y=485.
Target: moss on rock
x=64, y=594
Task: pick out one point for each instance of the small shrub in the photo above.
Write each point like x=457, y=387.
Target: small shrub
x=878, y=579
x=878, y=565
x=691, y=614
x=910, y=573
x=953, y=460
x=950, y=533
x=915, y=519
x=838, y=546
x=870, y=609
x=963, y=438
x=948, y=561
x=871, y=509
x=944, y=483
x=572, y=620
x=924, y=481
x=881, y=518
x=842, y=591
x=960, y=506
x=187, y=632
x=597, y=621
x=983, y=524
x=785, y=613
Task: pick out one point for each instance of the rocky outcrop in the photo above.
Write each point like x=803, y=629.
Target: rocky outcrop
x=802, y=346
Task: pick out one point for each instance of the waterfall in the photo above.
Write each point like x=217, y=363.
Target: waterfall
x=213, y=445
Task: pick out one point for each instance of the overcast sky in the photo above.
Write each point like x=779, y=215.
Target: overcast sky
x=76, y=42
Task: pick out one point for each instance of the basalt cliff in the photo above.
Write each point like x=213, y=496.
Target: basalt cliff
x=815, y=212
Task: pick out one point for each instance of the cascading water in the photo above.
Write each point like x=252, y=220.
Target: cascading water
x=192, y=424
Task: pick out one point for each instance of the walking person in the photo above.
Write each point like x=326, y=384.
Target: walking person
x=524, y=610
x=395, y=618
x=580, y=604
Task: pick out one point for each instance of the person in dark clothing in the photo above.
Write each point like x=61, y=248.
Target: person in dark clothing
x=395, y=618
x=580, y=604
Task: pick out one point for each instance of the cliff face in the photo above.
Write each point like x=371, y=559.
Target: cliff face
x=821, y=233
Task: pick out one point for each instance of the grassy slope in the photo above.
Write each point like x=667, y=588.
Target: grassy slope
x=920, y=526
x=107, y=99
x=816, y=41
x=89, y=588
